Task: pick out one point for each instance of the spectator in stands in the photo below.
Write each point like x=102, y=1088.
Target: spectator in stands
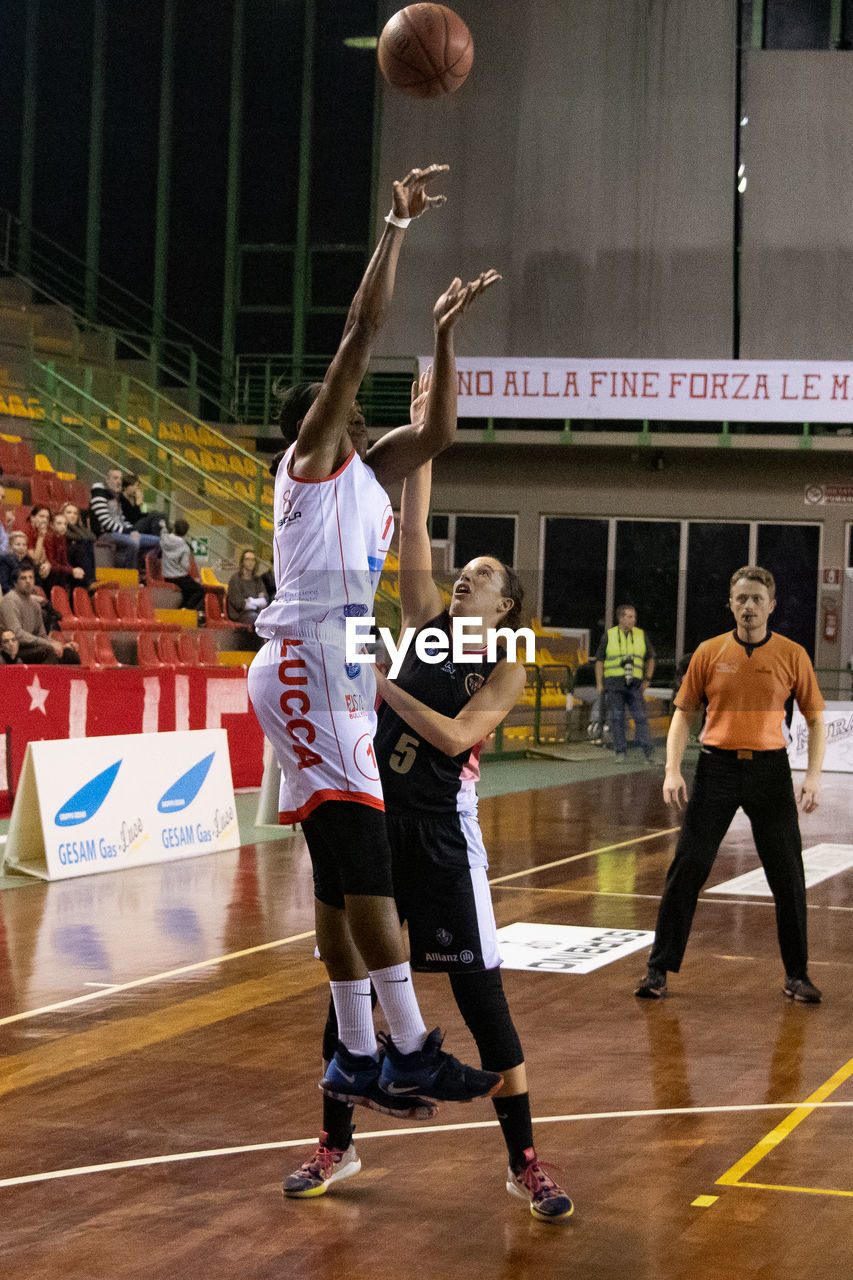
x=38, y=525
x=175, y=552
x=11, y=562
x=108, y=521
x=81, y=543
x=6, y=520
x=9, y=648
x=247, y=593
x=133, y=511
x=62, y=572
x=22, y=615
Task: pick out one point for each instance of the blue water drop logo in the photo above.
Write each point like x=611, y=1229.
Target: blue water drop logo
x=86, y=802
x=185, y=790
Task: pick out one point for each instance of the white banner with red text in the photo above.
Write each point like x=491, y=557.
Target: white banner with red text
x=681, y=390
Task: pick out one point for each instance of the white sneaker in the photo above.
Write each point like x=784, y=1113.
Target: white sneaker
x=327, y=1165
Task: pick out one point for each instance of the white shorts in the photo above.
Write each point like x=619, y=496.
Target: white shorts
x=318, y=712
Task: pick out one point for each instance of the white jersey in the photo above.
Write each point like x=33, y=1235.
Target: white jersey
x=329, y=545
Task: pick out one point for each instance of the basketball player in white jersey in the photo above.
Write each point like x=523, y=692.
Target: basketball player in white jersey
x=333, y=525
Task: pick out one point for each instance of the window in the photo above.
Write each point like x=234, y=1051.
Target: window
x=646, y=576
x=574, y=579
x=792, y=554
x=714, y=551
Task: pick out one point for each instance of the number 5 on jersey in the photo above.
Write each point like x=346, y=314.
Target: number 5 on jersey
x=403, y=756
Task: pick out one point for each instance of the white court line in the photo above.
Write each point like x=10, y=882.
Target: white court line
x=155, y=977
x=656, y=897
x=213, y=1153
x=281, y=942
x=590, y=853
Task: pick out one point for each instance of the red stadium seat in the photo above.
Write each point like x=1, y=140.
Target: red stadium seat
x=206, y=650
x=214, y=615
x=146, y=653
x=62, y=605
x=40, y=495
x=86, y=648
x=188, y=648
x=146, y=615
x=167, y=651
x=154, y=569
x=104, y=653
x=78, y=493
x=105, y=612
x=83, y=611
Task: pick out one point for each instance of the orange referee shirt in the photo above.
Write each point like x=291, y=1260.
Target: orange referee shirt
x=746, y=688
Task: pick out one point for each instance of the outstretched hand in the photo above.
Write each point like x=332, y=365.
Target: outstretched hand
x=409, y=197
x=458, y=297
x=420, y=395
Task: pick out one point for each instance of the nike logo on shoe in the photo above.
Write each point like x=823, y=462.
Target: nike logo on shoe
x=396, y=1091
x=349, y=1079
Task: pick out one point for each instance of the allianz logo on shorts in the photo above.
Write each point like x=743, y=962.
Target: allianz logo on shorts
x=447, y=957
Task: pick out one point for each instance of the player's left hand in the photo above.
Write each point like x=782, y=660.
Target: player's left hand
x=457, y=298
x=409, y=199
x=420, y=395
x=808, y=795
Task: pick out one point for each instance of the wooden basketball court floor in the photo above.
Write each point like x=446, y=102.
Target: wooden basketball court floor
x=160, y=1040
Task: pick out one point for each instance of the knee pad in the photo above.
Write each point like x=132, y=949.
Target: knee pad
x=481, y=1001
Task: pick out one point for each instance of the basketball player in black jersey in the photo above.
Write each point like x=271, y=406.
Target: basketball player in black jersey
x=434, y=718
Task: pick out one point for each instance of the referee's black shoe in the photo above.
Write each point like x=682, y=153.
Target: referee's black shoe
x=803, y=990
x=432, y=1073
x=653, y=985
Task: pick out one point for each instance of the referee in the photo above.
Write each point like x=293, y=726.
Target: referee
x=744, y=677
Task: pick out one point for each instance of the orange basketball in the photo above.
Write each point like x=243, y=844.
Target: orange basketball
x=425, y=50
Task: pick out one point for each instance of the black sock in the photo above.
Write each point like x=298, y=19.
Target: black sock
x=337, y=1122
x=513, y=1113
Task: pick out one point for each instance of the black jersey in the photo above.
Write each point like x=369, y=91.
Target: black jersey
x=416, y=776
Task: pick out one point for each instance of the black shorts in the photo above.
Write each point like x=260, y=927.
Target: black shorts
x=439, y=865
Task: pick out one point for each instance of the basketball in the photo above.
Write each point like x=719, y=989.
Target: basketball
x=425, y=50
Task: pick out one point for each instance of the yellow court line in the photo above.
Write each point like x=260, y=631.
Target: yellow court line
x=590, y=853
x=732, y=1177
x=155, y=977
x=806, y=1191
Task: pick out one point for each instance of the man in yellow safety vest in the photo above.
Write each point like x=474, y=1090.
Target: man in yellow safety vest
x=624, y=665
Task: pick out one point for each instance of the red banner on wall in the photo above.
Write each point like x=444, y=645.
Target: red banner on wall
x=58, y=702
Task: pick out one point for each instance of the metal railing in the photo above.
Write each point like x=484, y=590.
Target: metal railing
x=87, y=431
x=98, y=304
x=385, y=394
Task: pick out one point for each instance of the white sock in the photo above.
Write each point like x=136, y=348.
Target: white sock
x=396, y=994
x=354, y=1011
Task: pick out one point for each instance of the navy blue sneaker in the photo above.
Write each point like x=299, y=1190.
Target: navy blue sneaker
x=431, y=1073
x=355, y=1079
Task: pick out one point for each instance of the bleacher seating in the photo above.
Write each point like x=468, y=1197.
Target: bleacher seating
x=83, y=611
x=147, y=653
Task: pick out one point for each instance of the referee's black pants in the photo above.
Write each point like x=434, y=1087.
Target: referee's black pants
x=762, y=787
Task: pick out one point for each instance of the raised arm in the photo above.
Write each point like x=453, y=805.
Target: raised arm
x=398, y=452
x=476, y=720
x=323, y=443
x=420, y=598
